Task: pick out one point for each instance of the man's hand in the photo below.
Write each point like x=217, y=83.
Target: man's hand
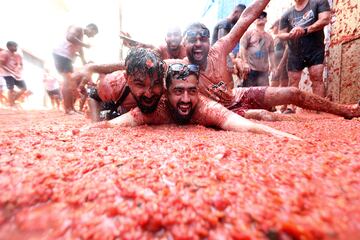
x=127, y=40
x=242, y=68
x=297, y=32
x=273, y=71
x=276, y=73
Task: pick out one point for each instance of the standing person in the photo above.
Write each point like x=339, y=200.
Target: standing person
x=224, y=26
x=221, y=29
x=302, y=26
x=52, y=88
x=172, y=49
x=12, y=66
x=64, y=56
x=280, y=77
x=256, y=51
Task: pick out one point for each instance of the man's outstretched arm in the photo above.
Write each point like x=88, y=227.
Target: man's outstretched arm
x=86, y=72
x=129, y=119
x=211, y=113
x=234, y=122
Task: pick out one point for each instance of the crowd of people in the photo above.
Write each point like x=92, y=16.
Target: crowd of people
x=243, y=73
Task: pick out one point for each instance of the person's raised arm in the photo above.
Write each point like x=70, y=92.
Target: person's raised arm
x=129, y=42
x=105, y=68
x=246, y=19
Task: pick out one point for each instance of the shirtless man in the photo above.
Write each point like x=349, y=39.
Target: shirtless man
x=182, y=104
x=118, y=92
x=172, y=49
x=216, y=83
x=52, y=88
x=11, y=65
x=65, y=54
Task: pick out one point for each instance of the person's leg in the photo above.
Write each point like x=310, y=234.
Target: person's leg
x=65, y=68
x=65, y=93
x=3, y=99
x=22, y=86
x=263, y=79
x=251, y=79
x=10, y=84
x=316, y=77
x=294, y=80
x=274, y=83
x=68, y=93
x=284, y=82
x=52, y=102
x=82, y=102
x=11, y=95
x=57, y=99
x=94, y=108
x=292, y=95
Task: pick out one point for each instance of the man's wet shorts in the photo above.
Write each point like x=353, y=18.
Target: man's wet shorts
x=299, y=62
x=248, y=98
x=63, y=64
x=11, y=82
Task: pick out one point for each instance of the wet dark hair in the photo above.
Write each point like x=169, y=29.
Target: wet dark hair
x=93, y=26
x=241, y=6
x=196, y=25
x=11, y=44
x=145, y=61
x=263, y=14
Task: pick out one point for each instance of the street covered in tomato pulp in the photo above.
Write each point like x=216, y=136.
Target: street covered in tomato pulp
x=177, y=182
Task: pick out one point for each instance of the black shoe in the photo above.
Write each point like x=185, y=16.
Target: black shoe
x=289, y=111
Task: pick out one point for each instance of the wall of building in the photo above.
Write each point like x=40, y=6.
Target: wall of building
x=344, y=55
